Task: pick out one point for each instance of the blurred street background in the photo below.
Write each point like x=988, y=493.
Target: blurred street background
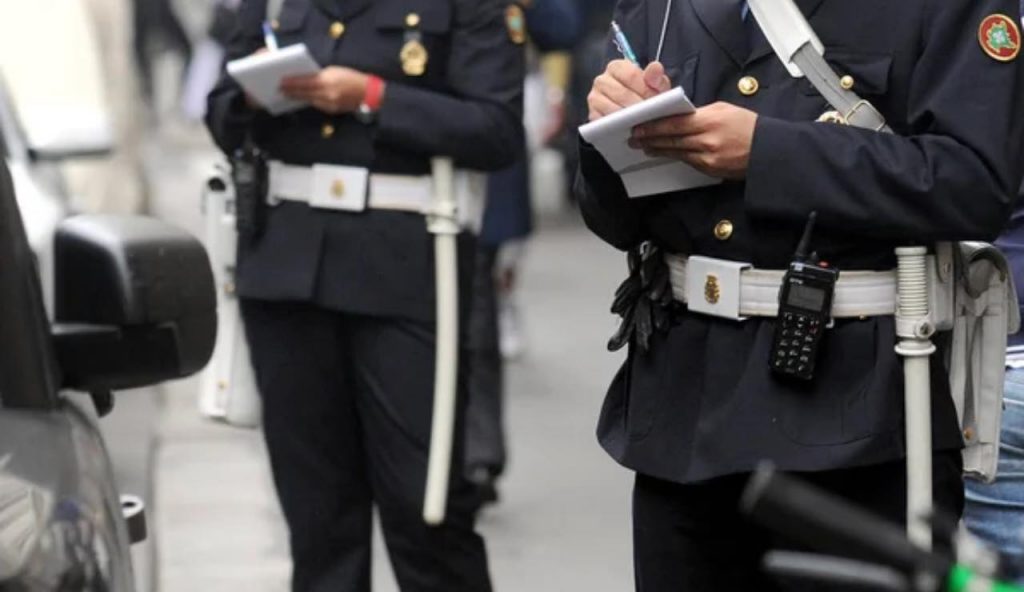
x=563, y=519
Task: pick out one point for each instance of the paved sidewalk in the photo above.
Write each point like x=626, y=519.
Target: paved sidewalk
x=563, y=524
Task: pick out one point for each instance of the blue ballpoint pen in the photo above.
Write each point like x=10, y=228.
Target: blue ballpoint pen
x=269, y=39
x=623, y=44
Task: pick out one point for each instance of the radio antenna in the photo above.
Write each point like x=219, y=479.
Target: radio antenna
x=805, y=240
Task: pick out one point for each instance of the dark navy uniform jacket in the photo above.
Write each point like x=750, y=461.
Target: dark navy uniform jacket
x=702, y=402
x=552, y=25
x=466, y=105
x=1011, y=243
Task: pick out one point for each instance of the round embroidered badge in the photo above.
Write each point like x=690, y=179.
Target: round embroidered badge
x=999, y=37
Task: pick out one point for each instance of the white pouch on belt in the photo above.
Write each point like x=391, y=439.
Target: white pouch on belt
x=227, y=386
x=985, y=312
x=339, y=187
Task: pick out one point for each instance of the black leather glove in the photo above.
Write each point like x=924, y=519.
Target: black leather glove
x=644, y=300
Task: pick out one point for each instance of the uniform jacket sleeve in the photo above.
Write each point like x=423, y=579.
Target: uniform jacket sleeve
x=478, y=118
x=602, y=198
x=227, y=115
x=953, y=171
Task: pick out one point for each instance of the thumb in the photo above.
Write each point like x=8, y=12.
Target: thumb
x=655, y=78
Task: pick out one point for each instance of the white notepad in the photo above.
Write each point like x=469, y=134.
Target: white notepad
x=261, y=75
x=641, y=174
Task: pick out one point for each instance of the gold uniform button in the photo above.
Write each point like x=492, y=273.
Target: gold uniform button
x=412, y=20
x=748, y=86
x=723, y=230
x=968, y=434
x=327, y=131
x=337, y=29
x=846, y=82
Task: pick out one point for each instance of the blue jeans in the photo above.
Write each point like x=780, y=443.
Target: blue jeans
x=995, y=513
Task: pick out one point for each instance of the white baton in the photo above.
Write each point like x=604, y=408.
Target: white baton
x=443, y=224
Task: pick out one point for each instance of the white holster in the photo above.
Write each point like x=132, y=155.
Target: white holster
x=980, y=301
x=227, y=387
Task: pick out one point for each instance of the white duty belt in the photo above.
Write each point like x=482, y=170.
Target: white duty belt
x=737, y=291
x=355, y=189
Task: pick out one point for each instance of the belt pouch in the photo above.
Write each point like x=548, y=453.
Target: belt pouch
x=339, y=188
x=985, y=312
x=713, y=287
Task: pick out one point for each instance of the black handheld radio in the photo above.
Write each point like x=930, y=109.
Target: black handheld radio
x=805, y=311
x=250, y=175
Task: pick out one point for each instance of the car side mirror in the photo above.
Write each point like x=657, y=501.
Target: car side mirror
x=67, y=133
x=134, y=303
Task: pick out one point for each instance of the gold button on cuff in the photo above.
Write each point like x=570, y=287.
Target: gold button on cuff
x=846, y=82
x=412, y=20
x=748, y=86
x=723, y=230
x=337, y=29
x=327, y=131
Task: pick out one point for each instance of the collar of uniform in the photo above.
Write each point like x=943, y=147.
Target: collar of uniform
x=722, y=20
x=342, y=9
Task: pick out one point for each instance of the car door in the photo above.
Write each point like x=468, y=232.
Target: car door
x=60, y=519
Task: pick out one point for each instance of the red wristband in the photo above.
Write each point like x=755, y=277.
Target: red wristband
x=374, y=92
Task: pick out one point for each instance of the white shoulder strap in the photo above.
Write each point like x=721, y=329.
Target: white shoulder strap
x=786, y=30
x=274, y=9
x=802, y=53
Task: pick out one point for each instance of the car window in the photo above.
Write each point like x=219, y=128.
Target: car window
x=3, y=144
x=29, y=378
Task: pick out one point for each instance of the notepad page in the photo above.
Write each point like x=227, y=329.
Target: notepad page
x=642, y=174
x=261, y=75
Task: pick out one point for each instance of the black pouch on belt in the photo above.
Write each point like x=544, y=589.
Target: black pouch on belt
x=249, y=172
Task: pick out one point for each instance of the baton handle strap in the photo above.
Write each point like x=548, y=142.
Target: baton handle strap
x=802, y=53
x=855, y=110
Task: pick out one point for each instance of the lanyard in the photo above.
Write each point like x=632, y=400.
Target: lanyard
x=664, y=31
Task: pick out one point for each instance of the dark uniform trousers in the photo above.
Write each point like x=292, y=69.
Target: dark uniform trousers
x=485, y=430
x=695, y=414
x=339, y=306
x=347, y=416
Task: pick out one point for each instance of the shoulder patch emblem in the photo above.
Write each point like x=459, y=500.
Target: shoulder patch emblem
x=515, y=20
x=999, y=37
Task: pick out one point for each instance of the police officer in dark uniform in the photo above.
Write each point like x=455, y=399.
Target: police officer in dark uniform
x=695, y=410
x=339, y=303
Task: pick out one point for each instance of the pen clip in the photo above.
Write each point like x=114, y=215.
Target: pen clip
x=618, y=45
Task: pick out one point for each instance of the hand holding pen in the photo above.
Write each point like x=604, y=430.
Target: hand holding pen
x=624, y=82
x=715, y=140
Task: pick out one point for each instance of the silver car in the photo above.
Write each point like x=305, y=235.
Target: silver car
x=133, y=304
